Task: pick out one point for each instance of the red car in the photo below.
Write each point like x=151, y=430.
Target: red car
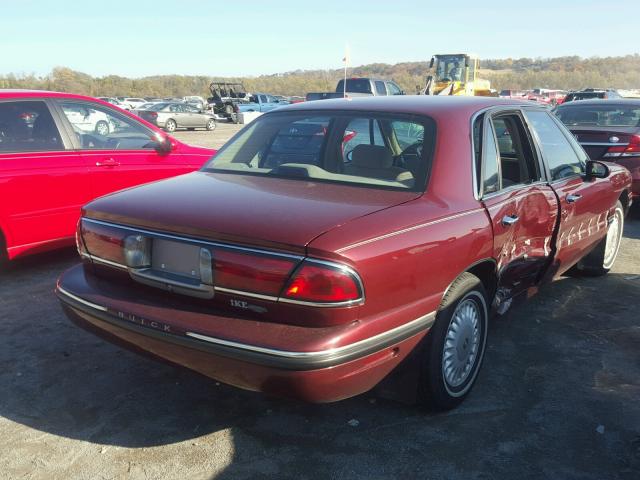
x=58, y=151
x=607, y=130
x=329, y=242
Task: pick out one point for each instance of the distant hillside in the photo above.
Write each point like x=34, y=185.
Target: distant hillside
x=561, y=72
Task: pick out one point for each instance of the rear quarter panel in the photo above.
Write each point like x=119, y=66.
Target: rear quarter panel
x=408, y=255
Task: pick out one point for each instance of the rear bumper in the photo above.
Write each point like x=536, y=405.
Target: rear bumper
x=317, y=376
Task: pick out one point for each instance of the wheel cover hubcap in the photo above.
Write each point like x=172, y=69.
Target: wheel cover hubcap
x=461, y=344
x=614, y=235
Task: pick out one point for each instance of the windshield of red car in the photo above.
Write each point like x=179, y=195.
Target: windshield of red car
x=374, y=150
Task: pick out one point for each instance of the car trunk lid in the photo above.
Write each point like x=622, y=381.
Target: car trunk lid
x=252, y=210
x=597, y=141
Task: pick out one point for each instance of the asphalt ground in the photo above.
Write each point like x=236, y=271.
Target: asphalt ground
x=214, y=139
x=558, y=397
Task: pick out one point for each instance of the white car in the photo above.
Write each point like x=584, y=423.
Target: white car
x=89, y=120
x=134, y=102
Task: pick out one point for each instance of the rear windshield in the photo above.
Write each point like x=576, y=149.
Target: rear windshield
x=355, y=85
x=604, y=115
x=374, y=150
x=585, y=95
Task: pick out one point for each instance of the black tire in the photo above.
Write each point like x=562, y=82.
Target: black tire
x=211, y=125
x=170, y=125
x=466, y=294
x=102, y=128
x=597, y=262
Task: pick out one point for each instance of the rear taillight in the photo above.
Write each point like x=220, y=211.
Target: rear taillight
x=323, y=283
x=632, y=149
x=153, y=114
x=232, y=270
x=82, y=250
x=248, y=272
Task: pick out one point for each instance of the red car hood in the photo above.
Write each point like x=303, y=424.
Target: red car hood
x=246, y=209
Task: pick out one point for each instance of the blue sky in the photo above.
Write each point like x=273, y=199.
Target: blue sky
x=137, y=38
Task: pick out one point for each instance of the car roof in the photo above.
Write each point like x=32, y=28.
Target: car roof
x=6, y=93
x=409, y=104
x=604, y=101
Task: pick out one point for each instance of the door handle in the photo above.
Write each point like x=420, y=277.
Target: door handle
x=107, y=162
x=509, y=220
x=573, y=197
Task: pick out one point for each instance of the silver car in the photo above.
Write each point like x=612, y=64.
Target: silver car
x=174, y=115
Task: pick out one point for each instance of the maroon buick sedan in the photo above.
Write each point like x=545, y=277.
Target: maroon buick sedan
x=329, y=243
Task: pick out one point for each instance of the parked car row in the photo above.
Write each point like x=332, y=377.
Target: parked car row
x=557, y=97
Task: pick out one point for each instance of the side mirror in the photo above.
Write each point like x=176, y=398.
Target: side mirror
x=596, y=169
x=163, y=144
x=431, y=62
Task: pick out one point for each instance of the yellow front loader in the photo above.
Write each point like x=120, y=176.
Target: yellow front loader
x=456, y=74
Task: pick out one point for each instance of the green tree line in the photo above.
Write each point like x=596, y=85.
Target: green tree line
x=570, y=72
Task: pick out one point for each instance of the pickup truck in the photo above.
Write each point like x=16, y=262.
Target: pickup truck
x=259, y=102
x=350, y=237
x=359, y=87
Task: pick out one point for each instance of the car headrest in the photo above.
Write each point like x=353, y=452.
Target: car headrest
x=372, y=156
x=44, y=125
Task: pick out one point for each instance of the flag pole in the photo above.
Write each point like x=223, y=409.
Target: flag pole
x=346, y=62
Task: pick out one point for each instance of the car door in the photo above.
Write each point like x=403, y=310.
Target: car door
x=126, y=156
x=179, y=115
x=584, y=202
x=43, y=181
x=522, y=207
x=193, y=118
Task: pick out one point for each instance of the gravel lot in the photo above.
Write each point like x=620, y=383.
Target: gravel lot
x=214, y=139
x=558, y=397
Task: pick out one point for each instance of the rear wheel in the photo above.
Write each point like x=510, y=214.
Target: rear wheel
x=455, y=345
x=600, y=260
x=211, y=124
x=170, y=125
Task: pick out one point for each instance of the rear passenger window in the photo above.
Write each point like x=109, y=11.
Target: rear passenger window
x=517, y=162
x=490, y=170
x=380, y=90
x=27, y=126
x=557, y=151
